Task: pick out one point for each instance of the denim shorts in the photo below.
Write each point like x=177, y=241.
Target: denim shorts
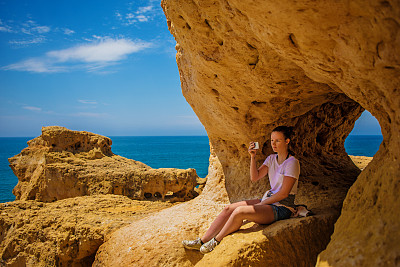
x=281, y=213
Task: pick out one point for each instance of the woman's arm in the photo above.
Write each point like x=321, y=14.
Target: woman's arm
x=288, y=183
x=255, y=174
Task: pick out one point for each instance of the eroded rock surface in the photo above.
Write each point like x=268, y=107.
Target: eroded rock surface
x=248, y=66
x=62, y=163
x=67, y=232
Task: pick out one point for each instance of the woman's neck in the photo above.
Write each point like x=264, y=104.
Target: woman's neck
x=282, y=156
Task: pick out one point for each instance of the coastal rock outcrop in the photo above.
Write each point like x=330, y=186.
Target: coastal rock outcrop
x=67, y=232
x=248, y=66
x=62, y=163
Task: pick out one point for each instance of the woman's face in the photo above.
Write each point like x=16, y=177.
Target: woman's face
x=278, y=142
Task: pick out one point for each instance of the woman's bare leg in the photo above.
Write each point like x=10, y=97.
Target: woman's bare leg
x=261, y=214
x=223, y=217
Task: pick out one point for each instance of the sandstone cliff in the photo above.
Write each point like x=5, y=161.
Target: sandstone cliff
x=248, y=66
x=62, y=163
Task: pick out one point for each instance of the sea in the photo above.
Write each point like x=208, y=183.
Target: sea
x=181, y=152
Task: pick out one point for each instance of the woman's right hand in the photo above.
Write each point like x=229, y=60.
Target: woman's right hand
x=251, y=150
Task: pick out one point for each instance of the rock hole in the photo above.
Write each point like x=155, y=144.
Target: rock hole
x=321, y=139
x=385, y=4
x=235, y=108
x=215, y=92
x=292, y=39
x=254, y=63
x=148, y=195
x=282, y=83
x=397, y=261
x=258, y=103
x=389, y=67
x=315, y=183
x=208, y=24
x=188, y=26
x=53, y=145
x=377, y=49
x=157, y=195
x=250, y=46
x=364, y=140
x=77, y=145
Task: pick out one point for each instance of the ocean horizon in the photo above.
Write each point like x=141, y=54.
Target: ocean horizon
x=180, y=152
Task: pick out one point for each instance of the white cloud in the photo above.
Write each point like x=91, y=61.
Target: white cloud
x=141, y=14
x=4, y=27
x=142, y=18
x=32, y=108
x=36, y=40
x=144, y=9
x=103, y=51
x=34, y=65
x=41, y=29
x=91, y=102
x=26, y=33
x=31, y=27
x=68, y=31
x=90, y=57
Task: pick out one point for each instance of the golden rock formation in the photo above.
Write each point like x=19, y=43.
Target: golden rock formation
x=67, y=232
x=62, y=163
x=248, y=66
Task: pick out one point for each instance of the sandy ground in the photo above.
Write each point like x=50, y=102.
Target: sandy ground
x=360, y=161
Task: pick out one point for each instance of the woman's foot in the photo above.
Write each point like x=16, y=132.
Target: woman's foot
x=192, y=244
x=209, y=246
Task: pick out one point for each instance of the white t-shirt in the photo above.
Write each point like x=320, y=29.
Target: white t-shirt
x=290, y=167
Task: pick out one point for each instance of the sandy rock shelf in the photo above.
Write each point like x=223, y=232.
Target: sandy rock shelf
x=67, y=232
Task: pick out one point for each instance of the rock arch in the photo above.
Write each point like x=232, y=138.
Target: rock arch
x=248, y=66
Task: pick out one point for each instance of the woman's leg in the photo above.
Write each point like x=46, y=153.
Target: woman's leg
x=223, y=217
x=261, y=214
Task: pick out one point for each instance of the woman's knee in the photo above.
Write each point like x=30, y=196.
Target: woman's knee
x=229, y=208
x=239, y=211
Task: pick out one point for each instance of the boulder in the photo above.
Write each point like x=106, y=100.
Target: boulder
x=62, y=163
x=249, y=66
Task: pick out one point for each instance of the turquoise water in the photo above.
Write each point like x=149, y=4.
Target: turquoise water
x=363, y=145
x=159, y=152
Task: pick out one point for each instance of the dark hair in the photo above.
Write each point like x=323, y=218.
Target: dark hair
x=287, y=132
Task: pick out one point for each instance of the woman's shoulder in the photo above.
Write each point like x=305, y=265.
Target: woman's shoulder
x=269, y=159
x=293, y=159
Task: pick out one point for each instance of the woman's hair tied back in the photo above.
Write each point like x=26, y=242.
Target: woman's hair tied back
x=286, y=130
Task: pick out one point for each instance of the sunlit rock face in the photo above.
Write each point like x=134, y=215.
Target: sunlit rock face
x=248, y=66
x=67, y=232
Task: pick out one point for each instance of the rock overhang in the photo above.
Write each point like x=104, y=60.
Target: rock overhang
x=248, y=66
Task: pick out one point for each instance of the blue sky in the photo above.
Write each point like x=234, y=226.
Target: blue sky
x=102, y=66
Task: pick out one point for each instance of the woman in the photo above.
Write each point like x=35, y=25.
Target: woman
x=277, y=203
